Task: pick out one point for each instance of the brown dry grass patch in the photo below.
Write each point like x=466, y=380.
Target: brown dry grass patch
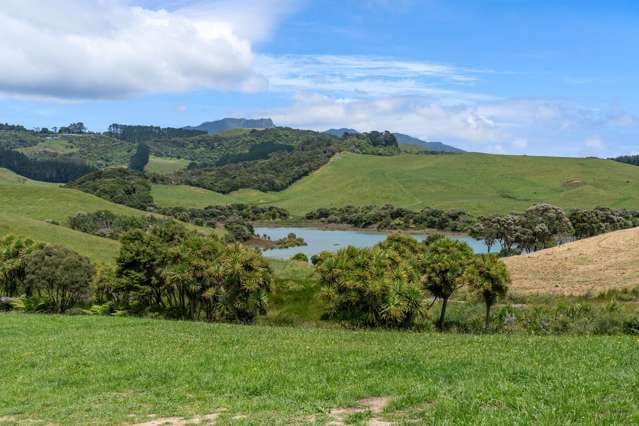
x=589, y=266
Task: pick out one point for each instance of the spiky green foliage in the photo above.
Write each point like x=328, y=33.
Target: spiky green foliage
x=372, y=287
x=184, y=275
x=444, y=266
x=489, y=279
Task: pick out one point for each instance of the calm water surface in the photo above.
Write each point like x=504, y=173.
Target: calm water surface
x=319, y=240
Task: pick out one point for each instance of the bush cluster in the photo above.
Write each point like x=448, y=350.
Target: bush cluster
x=107, y=224
x=543, y=226
x=389, y=284
x=122, y=186
x=163, y=270
x=390, y=217
x=236, y=218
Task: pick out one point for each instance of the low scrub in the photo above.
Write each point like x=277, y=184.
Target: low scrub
x=121, y=186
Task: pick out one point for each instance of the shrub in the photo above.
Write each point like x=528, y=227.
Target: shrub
x=59, y=275
x=171, y=271
x=121, y=186
x=371, y=287
x=300, y=257
x=14, y=252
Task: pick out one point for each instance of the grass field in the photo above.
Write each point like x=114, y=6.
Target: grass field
x=101, y=370
x=56, y=146
x=165, y=166
x=589, y=266
x=479, y=183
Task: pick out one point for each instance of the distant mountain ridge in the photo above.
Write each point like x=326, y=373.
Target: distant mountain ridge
x=403, y=139
x=234, y=123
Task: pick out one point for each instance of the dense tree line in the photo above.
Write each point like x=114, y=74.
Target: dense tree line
x=165, y=270
x=12, y=127
x=389, y=285
x=207, y=150
x=236, y=218
x=212, y=215
x=372, y=143
x=543, y=226
x=390, y=217
x=628, y=159
x=119, y=185
x=256, y=152
x=106, y=224
x=73, y=129
x=140, y=158
x=47, y=170
x=273, y=174
x=138, y=134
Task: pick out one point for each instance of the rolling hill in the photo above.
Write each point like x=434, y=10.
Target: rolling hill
x=478, y=183
x=32, y=209
x=585, y=267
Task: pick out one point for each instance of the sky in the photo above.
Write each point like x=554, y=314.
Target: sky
x=500, y=76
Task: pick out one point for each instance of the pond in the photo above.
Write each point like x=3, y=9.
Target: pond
x=319, y=240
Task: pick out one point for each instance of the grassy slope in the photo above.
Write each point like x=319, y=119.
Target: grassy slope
x=165, y=166
x=589, y=266
x=99, y=370
x=27, y=204
x=56, y=146
x=479, y=183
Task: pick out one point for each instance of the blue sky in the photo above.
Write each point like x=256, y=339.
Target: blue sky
x=533, y=77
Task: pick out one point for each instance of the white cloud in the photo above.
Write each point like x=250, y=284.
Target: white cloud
x=413, y=115
x=490, y=126
x=368, y=76
x=594, y=144
x=520, y=143
x=85, y=49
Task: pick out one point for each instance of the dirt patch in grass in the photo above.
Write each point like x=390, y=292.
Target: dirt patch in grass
x=369, y=407
x=208, y=419
x=586, y=267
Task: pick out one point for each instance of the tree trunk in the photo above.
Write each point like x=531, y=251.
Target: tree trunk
x=487, y=319
x=442, y=314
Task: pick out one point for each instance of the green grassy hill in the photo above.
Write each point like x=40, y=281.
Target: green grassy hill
x=165, y=166
x=101, y=370
x=28, y=206
x=479, y=183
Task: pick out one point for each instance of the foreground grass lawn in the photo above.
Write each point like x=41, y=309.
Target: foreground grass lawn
x=78, y=370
